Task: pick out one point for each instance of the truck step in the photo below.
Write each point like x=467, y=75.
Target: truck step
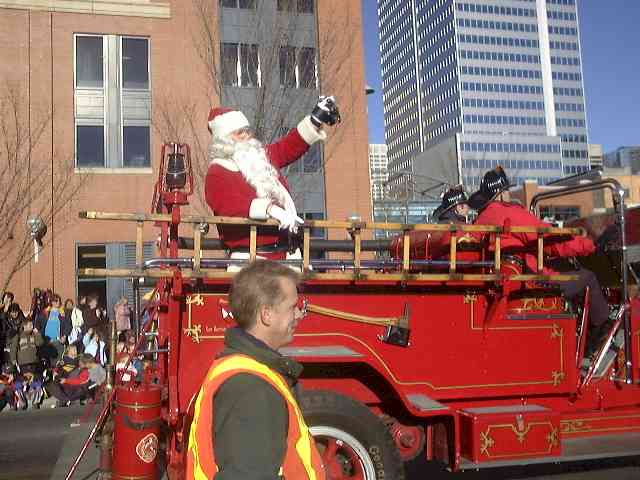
x=425, y=403
x=573, y=450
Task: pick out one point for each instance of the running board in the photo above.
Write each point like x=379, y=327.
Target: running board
x=574, y=449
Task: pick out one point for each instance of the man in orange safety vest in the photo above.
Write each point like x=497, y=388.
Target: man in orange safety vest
x=247, y=423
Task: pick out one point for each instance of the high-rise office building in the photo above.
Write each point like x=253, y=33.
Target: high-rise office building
x=471, y=84
x=378, y=174
x=624, y=157
x=596, y=155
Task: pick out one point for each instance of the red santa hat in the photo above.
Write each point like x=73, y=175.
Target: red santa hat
x=222, y=121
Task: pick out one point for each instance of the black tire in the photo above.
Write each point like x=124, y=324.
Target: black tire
x=359, y=442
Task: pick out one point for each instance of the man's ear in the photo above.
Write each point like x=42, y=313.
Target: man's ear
x=264, y=316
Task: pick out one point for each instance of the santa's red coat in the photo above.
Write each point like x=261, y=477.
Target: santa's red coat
x=230, y=195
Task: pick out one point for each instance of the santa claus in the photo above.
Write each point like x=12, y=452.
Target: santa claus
x=244, y=180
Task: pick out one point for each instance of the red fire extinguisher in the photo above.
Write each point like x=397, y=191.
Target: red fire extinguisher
x=137, y=427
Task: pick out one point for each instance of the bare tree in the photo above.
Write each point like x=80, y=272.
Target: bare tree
x=274, y=78
x=29, y=186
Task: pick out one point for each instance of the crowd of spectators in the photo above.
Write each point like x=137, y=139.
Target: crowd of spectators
x=60, y=350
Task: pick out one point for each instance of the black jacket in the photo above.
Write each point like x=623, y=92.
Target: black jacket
x=11, y=327
x=250, y=416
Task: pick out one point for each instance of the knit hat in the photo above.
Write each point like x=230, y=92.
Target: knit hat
x=223, y=121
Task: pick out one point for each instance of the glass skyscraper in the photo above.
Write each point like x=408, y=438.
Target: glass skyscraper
x=499, y=82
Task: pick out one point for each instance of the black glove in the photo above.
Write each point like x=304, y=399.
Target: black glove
x=325, y=111
x=608, y=240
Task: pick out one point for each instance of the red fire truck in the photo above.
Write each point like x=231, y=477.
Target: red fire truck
x=410, y=349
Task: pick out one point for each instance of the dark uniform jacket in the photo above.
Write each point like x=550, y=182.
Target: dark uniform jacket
x=24, y=348
x=250, y=416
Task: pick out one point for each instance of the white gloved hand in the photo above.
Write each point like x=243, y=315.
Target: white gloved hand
x=286, y=219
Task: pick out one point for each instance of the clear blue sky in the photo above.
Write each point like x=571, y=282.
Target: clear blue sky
x=611, y=67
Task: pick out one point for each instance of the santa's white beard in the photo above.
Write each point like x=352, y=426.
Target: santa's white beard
x=251, y=159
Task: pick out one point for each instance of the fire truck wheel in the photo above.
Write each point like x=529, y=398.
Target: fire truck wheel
x=354, y=443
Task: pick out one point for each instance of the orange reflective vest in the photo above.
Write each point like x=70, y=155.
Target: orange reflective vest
x=301, y=459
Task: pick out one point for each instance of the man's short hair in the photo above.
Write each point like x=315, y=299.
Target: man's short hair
x=255, y=286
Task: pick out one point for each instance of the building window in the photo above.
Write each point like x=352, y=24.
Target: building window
x=135, y=63
x=307, y=67
x=560, y=213
x=288, y=66
x=300, y=6
x=286, y=5
x=89, y=62
x=297, y=67
x=245, y=4
x=136, y=150
x=313, y=159
x=305, y=6
x=90, y=145
x=240, y=65
x=112, y=101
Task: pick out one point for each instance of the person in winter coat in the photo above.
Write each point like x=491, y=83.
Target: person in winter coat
x=95, y=346
x=494, y=210
x=38, y=313
x=7, y=300
x=126, y=367
x=24, y=348
x=65, y=324
x=78, y=384
x=52, y=329
x=77, y=321
x=122, y=315
x=13, y=322
x=68, y=363
x=243, y=179
x=94, y=317
x=7, y=388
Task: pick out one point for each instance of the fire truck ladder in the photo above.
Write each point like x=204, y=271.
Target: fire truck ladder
x=361, y=267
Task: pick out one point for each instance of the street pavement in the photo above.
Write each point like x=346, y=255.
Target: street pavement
x=40, y=444
x=618, y=469
x=34, y=443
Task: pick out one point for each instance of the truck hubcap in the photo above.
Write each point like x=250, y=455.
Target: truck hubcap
x=344, y=457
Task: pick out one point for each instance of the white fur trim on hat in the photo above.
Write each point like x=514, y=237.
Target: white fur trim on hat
x=258, y=208
x=309, y=132
x=222, y=125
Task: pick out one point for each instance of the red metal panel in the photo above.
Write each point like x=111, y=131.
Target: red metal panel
x=454, y=351
x=509, y=433
x=593, y=423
